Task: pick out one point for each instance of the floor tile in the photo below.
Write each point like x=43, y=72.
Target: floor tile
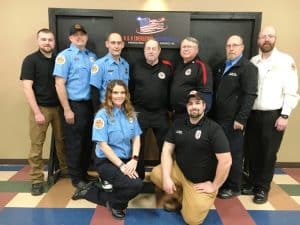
x=25, y=200
x=284, y=179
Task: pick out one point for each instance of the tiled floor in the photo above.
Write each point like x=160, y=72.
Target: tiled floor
x=55, y=207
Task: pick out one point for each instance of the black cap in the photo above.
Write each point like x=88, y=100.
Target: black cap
x=195, y=94
x=77, y=27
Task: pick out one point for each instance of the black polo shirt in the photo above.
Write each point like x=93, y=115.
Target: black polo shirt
x=39, y=69
x=196, y=146
x=149, y=85
x=194, y=75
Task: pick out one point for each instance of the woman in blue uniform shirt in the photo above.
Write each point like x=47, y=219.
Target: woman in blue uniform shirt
x=117, y=134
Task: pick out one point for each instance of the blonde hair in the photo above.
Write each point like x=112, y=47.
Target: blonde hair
x=126, y=106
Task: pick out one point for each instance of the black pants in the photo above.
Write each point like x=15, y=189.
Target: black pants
x=78, y=140
x=158, y=121
x=236, y=140
x=263, y=142
x=124, y=188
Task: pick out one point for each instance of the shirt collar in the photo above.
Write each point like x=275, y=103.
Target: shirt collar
x=233, y=62
x=76, y=50
x=112, y=61
x=274, y=52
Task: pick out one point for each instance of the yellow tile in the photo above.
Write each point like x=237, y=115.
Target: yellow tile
x=82, y=203
x=6, y=175
x=247, y=202
x=143, y=201
x=25, y=200
x=284, y=179
x=296, y=198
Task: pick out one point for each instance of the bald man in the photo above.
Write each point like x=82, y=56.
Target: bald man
x=276, y=98
x=235, y=87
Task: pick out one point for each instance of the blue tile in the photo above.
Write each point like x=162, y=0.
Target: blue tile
x=279, y=171
x=11, y=167
x=277, y=217
x=45, y=216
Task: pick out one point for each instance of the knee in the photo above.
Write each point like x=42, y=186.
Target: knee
x=196, y=213
x=136, y=185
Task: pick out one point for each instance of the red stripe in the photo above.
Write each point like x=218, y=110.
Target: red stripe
x=232, y=212
x=22, y=174
x=167, y=62
x=204, y=71
x=5, y=197
x=293, y=172
x=102, y=216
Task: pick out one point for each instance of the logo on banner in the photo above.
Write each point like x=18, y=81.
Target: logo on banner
x=151, y=26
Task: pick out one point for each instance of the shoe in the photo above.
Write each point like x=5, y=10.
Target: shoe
x=105, y=185
x=37, y=189
x=247, y=190
x=80, y=193
x=172, y=205
x=116, y=213
x=228, y=193
x=90, y=178
x=80, y=184
x=260, y=197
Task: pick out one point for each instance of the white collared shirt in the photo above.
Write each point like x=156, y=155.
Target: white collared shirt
x=277, y=82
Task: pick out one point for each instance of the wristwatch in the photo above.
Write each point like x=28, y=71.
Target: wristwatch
x=284, y=116
x=135, y=157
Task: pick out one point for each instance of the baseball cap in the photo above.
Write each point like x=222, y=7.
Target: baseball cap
x=195, y=94
x=77, y=27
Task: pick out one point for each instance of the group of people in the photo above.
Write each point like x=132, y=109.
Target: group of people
x=238, y=107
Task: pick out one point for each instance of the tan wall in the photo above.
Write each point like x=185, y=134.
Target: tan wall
x=21, y=19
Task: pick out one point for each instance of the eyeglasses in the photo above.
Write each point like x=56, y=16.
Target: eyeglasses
x=270, y=36
x=233, y=45
x=188, y=46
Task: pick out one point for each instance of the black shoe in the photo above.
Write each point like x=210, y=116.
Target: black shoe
x=80, y=184
x=80, y=193
x=248, y=190
x=260, y=197
x=116, y=213
x=227, y=193
x=37, y=189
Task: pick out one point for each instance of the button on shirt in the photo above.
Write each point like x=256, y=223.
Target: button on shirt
x=106, y=69
x=74, y=66
x=277, y=83
x=116, y=131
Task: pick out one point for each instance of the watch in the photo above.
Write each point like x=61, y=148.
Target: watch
x=284, y=116
x=135, y=157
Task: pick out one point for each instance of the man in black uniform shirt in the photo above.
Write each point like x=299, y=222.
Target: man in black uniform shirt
x=235, y=86
x=40, y=93
x=190, y=74
x=149, y=87
x=201, y=165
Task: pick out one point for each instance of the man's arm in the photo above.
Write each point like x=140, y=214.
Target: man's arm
x=30, y=97
x=166, y=166
x=63, y=98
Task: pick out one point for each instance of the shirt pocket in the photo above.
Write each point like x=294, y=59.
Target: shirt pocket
x=115, y=135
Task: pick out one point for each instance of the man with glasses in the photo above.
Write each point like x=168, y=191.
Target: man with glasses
x=190, y=74
x=235, y=87
x=276, y=98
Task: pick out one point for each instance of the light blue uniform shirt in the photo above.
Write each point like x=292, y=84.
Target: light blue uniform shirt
x=116, y=131
x=74, y=66
x=106, y=69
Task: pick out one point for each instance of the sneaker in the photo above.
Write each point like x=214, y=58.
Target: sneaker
x=37, y=189
x=105, y=185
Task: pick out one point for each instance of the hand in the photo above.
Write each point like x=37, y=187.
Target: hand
x=281, y=124
x=238, y=126
x=39, y=118
x=169, y=186
x=130, y=169
x=129, y=172
x=69, y=116
x=206, y=187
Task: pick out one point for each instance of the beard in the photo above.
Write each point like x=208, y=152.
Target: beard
x=46, y=49
x=195, y=114
x=267, y=47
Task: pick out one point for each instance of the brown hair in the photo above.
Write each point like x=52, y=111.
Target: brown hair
x=44, y=30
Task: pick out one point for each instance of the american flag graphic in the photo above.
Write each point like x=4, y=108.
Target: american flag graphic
x=151, y=26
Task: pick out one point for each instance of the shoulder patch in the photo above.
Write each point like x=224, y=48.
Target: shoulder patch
x=60, y=60
x=99, y=123
x=95, y=68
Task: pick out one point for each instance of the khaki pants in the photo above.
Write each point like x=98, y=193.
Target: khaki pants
x=195, y=205
x=38, y=135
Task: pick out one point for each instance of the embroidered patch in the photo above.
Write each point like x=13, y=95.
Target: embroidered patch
x=198, y=134
x=188, y=72
x=161, y=75
x=95, y=68
x=233, y=74
x=99, y=123
x=60, y=60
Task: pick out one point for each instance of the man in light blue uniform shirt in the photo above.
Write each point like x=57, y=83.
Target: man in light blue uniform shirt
x=110, y=67
x=72, y=78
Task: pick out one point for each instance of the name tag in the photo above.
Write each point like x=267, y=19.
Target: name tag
x=232, y=74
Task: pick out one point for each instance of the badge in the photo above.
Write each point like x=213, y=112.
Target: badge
x=92, y=59
x=198, y=134
x=60, y=60
x=98, y=123
x=188, y=72
x=95, y=68
x=161, y=75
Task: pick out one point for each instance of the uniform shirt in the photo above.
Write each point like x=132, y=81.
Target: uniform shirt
x=38, y=68
x=234, y=91
x=149, y=85
x=194, y=75
x=196, y=146
x=106, y=69
x=116, y=131
x=74, y=66
x=277, y=83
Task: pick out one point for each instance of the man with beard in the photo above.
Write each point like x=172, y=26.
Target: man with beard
x=235, y=86
x=39, y=90
x=276, y=98
x=201, y=165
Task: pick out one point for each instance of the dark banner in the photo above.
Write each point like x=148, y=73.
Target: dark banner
x=167, y=27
